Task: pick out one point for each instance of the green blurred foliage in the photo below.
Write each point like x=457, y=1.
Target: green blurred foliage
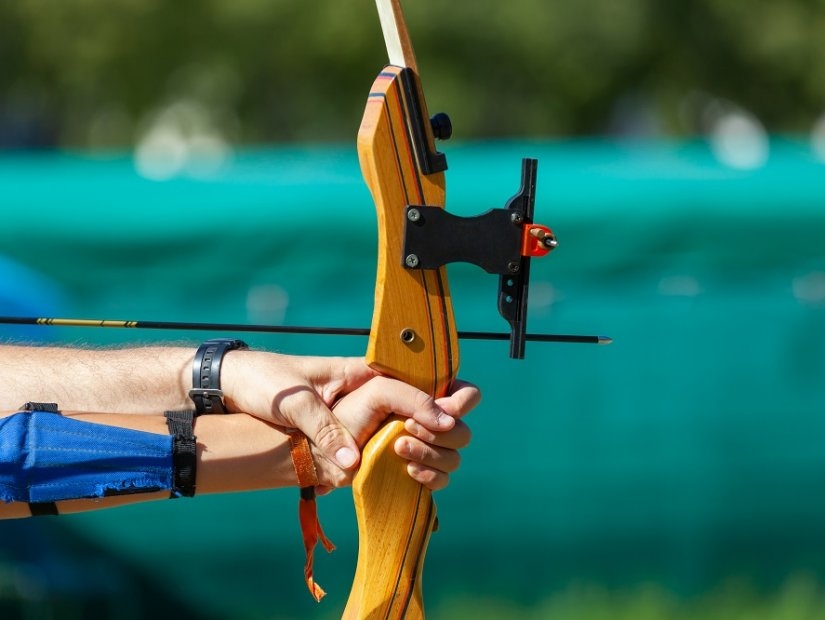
x=93, y=73
x=800, y=597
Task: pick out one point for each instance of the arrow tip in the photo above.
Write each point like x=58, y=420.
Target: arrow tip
x=605, y=339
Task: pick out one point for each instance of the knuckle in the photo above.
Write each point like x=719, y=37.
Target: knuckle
x=327, y=435
x=418, y=451
x=431, y=478
x=425, y=402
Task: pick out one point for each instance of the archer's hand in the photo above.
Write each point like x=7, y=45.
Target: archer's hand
x=297, y=392
x=435, y=432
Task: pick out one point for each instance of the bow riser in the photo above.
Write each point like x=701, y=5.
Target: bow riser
x=413, y=338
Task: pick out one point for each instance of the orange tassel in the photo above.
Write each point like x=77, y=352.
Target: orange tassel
x=307, y=508
x=312, y=533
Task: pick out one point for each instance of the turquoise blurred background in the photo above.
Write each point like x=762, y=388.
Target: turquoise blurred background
x=194, y=161
x=676, y=473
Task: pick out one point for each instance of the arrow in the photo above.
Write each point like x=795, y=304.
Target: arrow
x=277, y=329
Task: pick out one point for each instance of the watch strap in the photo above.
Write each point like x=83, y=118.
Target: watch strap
x=206, y=390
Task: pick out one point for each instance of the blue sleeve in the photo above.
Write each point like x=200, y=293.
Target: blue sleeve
x=46, y=457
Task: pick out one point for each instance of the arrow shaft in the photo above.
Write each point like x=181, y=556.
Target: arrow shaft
x=273, y=329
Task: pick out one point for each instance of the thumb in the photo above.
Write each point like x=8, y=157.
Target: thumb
x=323, y=430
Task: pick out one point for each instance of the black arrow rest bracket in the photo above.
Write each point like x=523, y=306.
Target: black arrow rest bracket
x=499, y=241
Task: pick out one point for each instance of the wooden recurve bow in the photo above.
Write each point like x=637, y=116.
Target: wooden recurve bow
x=413, y=335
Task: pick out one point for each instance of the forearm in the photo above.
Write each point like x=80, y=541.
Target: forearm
x=235, y=452
x=133, y=380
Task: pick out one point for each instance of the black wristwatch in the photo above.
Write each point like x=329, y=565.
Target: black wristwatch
x=206, y=374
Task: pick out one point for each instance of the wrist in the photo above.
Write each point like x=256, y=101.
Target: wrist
x=232, y=374
x=247, y=381
x=240, y=453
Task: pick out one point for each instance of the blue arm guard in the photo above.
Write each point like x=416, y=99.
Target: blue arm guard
x=46, y=457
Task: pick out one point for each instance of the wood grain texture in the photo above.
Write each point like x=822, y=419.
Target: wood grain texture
x=395, y=514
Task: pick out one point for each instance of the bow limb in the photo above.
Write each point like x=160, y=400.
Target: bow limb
x=413, y=337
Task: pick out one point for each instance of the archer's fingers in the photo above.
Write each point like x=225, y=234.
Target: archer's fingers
x=463, y=397
x=427, y=464
x=433, y=479
x=405, y=400
x=416, y=451
x=455, y=438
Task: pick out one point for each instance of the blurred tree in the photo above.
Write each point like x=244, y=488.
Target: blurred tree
x=93, y=73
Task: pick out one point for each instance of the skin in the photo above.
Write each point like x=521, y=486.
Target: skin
x=286, y=390
x=249, y=450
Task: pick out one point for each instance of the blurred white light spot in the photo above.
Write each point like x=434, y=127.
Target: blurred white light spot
x=739, y=140
x=810, y=288
x=679, y=286
x=818, y=138
x=181, y=139
x=162, y=153
x=542, y=295
x=267, y=304
x=207, y=154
